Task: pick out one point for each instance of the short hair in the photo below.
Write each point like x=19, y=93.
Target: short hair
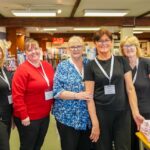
x=131, y=40
x=3, y=55
x=97, y=35
x=74, y=39
x=29, y=42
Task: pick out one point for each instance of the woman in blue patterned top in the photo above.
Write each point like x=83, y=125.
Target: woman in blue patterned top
x=70, y=108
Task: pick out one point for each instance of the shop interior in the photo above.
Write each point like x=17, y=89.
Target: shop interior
x=68, y=18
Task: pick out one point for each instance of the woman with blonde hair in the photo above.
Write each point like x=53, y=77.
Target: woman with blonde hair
x=5, y=101
x=130, y=48
x=70, y=109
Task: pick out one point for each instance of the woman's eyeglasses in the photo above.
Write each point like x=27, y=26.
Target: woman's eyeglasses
x=33, y=49
x=129, y=46
x=78, y=47
x=103, y=41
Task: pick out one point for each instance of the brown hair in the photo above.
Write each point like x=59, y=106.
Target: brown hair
x=97, y=35
x=131, y=40
x=29, y=42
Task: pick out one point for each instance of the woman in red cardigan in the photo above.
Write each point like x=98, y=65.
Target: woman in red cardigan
x=32, y=98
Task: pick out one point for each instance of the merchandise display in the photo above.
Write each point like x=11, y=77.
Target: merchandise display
x=145, y=129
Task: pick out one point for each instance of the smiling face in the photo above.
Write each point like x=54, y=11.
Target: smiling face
x=76, y=47
x=33, y=51
x=129, y=50
x=104, y=44
x=130, y=47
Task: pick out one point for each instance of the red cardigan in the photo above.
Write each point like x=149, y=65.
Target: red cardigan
x=28, y=88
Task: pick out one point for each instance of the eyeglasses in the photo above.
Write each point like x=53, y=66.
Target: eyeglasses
x=78, y=47
x=33, y=49
x=103, y=41
x=129, y=46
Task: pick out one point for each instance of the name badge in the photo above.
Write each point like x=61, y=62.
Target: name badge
x=10, y=99
x=48, y=95
x=109, y=89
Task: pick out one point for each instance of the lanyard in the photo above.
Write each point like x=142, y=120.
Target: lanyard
x=81, y=74
x=5, y=78
x=104, y=72
x=135, y=75
x=44, y=74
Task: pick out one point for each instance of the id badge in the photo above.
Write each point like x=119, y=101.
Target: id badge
x=10, y=99
x=48, y=95
x=109, y=89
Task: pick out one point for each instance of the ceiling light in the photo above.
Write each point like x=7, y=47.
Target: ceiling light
x=141, y=29
x=49, y=29
x=59, y=11
x=86, y=29
x=34, y=13
x=105, y=13
x=137, y=32
x=37, y=29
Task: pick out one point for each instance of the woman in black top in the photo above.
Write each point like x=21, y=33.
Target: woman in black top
x=109, y=79
x=130, y=48
x=5, y=103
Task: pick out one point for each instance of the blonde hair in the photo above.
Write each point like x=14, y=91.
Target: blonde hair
x=131, y=40
x=3, y=55
x=29, y=42
x=75, y=39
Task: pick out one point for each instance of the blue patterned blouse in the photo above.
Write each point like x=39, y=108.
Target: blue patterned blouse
x=72, y=113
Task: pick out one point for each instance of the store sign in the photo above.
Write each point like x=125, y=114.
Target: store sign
x=57, y=40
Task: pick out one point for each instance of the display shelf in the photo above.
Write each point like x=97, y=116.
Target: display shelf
x=145, y=46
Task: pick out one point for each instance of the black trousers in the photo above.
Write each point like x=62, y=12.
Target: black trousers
x=115, y=126
x=72, y=139
x=32, y=136
x=4, y=135
x=134, y=139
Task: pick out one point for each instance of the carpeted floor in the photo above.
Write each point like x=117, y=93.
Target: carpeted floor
x=51, y=141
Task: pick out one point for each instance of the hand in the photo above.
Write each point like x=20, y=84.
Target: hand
x=26, y=121
x=95, y=133
x=138, y=120
x=83, y=96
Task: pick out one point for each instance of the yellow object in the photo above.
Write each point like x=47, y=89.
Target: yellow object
x=143, y=141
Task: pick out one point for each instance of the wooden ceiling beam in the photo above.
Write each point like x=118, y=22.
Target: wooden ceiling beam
x=75, y=22
x=76, y=5
x=144, y=14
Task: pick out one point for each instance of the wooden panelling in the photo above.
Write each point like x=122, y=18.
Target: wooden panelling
x=20, y=42
x=66, y=36
x=75, y=22
x=11, y=36
x=16, y=40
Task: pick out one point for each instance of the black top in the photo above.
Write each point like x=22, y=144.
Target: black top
x=142, y=85
x=116, y=101
x=5, y=107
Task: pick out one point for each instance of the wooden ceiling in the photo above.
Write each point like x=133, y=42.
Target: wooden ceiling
x=72, y=14
x=75, y=22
